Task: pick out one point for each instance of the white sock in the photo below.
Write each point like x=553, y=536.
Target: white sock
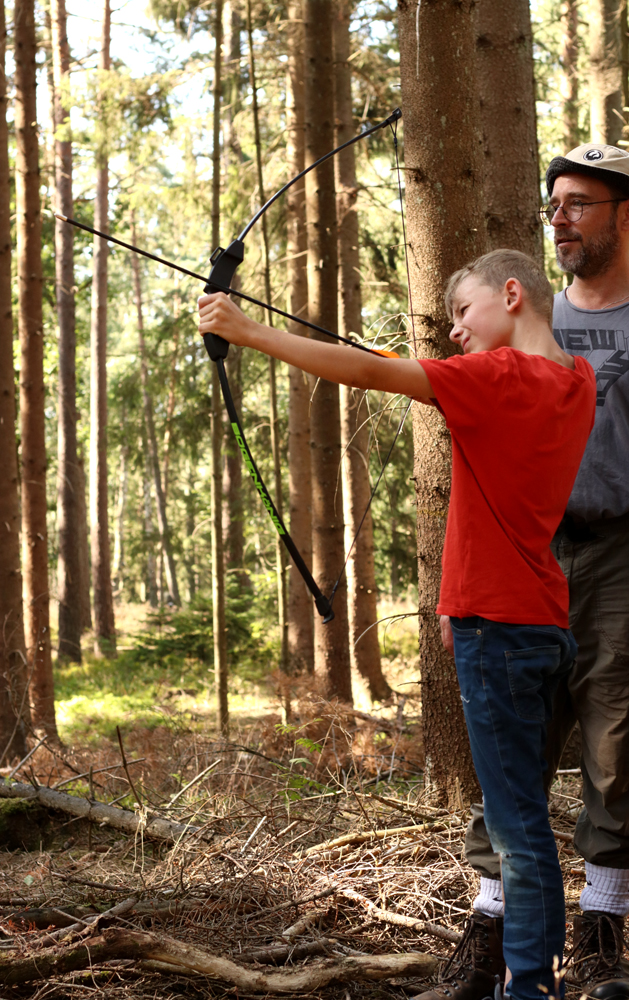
x=607, y=890
x=489, y=899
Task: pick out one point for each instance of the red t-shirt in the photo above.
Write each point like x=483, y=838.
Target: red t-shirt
x=519, y=425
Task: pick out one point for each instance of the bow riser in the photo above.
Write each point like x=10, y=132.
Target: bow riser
x=224, y=265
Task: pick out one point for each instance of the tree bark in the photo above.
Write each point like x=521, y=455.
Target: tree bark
x=444, y=198
x=606, y=76
x=84, y=547
x=151, y=561
x=118, y=568
x=218, y=556
x=13, y=671
x=151, y=437
x=32, y=391
x=300, y=609
x=68, y=570
x=104, y=625
x=362, y=600
x=570, y=74
x=332, y=660
x=504, y=70
x=280, y=551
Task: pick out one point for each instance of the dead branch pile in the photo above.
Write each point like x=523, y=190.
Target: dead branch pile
x=296, y=875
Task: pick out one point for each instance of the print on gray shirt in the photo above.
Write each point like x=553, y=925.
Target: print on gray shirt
x=601, y=336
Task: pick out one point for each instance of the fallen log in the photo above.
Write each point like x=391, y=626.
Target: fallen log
x=178, y=956
x=97, y=812
x=400, y=920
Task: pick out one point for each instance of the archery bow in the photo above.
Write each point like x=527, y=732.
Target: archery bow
x=224, y=265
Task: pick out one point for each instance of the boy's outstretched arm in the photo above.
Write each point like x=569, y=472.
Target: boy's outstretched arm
x=335, y=363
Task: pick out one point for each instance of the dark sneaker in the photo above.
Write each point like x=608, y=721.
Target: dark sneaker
x=476, y=967
x=595, y=962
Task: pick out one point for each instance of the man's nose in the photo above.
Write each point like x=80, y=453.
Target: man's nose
x=559, y=218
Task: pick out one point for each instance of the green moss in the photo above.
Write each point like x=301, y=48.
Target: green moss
x=24, y=825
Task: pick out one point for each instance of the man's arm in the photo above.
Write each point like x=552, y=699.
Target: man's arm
x=218, y=314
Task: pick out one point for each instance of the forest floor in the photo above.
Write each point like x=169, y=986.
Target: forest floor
x=315, y=843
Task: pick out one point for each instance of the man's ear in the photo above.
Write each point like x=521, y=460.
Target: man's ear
x=623, y=216
x=514, y=294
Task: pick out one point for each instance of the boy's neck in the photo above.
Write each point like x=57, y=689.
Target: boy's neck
x=533, y=335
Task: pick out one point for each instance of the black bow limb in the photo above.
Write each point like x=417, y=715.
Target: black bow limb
x=224, y=265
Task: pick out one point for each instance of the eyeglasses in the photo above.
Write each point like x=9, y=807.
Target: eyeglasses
x=573, y=209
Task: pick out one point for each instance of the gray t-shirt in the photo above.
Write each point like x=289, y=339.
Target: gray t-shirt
x=601, y=336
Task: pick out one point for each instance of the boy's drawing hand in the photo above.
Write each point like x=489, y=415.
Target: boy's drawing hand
x=218, y=314
x=446, y=633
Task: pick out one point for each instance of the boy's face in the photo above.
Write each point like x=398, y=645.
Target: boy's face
x=482, y=321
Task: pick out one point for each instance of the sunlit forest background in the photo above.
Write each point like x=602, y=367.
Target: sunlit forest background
x=153, y=111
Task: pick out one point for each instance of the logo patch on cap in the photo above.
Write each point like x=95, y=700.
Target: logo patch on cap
x=593, y=154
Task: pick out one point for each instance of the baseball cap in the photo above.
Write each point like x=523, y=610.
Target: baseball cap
x=607, y=163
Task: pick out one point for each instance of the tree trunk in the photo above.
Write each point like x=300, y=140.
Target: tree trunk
x=332, y=661
x=104, y=625
x=13, y=671
x=32, y=391
x=570, y=73
x=606, y=76
x=68, y=571
x=151, y=561
x=84, y=547
x=119, y=564
x=443, y=171
x=233, y=80
x=504, y=70
x=172, y=389
x=280, y=551
x=300, y=609
x=218, y=557
x=361, y=571
x=151, y=437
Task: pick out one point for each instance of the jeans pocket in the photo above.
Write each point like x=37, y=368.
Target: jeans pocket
x=529, y=671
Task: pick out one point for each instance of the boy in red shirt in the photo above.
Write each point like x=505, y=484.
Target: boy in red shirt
x=520, y=411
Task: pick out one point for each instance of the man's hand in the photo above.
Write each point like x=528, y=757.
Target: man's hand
x=446, y=633
x=218, y=314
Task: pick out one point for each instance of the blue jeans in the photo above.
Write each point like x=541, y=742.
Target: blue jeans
x=508, y=675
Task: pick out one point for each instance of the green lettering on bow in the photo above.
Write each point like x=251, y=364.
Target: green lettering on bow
x=258, y=484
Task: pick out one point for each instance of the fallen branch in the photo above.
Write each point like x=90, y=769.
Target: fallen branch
x=293, y=902
x=184, y=958
x=277, y=954
x=362, y=838
x=567, y=838
x=400, y=920
x=97, y=812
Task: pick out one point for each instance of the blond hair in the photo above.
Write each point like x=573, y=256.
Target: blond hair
x=495, y=269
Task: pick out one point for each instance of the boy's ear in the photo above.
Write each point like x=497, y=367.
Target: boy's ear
x=514, y=294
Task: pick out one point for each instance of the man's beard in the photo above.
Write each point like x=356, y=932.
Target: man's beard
x=594, y=259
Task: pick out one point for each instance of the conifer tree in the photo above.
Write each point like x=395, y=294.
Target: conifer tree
x=32, y=389
x=332, y=660
x=68, y=482
x=444, y=199
x=104, y=626
x=606, y=70
x=13, y=671
x=361, y=571
x=300, y=613
x=504, y=71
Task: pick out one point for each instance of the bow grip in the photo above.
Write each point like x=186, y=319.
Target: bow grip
x=224, y=264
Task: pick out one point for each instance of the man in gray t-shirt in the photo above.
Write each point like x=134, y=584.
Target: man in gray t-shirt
x=602, y=337
x=589, y=212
